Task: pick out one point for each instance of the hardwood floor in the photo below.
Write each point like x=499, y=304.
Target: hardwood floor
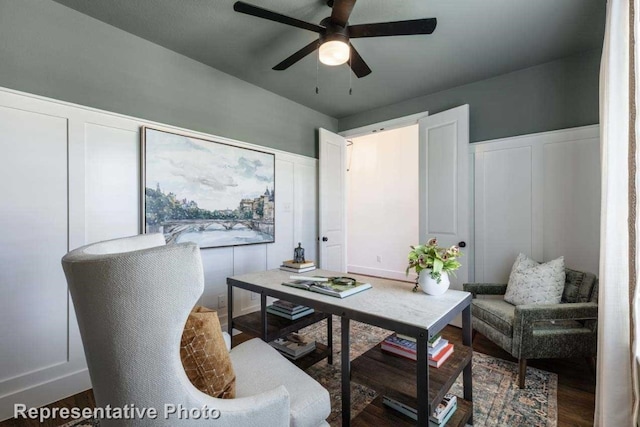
x=576, y=387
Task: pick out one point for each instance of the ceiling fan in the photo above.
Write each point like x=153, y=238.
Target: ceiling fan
x=335, y=33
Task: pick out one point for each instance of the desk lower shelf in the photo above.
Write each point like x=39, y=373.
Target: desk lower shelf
x=305, y=362
x=379, y=415
x=277, y=326
x=395, y=376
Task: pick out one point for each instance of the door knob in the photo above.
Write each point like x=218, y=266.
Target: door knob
x=325, y=239
x=462, y=244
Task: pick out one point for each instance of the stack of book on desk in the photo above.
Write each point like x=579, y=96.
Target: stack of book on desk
x=440, y=416
x=289, y=310
x=297, y=267
x=405, y=346
x=294, y=346
x=339, y=287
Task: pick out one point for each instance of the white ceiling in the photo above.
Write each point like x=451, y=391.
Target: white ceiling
x=474, y=40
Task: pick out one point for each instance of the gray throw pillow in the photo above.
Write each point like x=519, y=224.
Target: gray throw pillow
x=534, y=283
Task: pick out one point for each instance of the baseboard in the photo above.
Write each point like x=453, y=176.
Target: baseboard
x=40, y=394
x=379, y=272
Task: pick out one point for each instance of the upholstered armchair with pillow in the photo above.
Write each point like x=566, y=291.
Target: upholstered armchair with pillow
x=565, y=329
x=132, y=297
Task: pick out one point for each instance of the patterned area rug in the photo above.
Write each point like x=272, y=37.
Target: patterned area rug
x=497, y=400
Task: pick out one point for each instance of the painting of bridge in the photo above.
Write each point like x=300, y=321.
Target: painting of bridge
x=173, y=229
x=207, y=192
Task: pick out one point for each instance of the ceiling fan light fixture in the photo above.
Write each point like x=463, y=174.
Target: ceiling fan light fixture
x=334, y=52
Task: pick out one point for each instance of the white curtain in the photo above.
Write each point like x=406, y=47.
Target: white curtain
x=635, y=291
x=616, y=395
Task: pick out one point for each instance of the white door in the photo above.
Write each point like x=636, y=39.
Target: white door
x=332, y=202
x=444, y=184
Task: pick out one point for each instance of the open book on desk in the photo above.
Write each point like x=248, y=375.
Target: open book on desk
x=339, y=287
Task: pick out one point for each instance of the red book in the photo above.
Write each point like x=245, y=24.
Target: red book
x=436, y=362
x=442, y=356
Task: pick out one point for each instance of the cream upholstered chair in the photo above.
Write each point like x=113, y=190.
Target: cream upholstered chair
x=132, y=297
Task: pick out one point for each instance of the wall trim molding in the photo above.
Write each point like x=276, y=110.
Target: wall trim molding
x=158, y=125
x=569, y=134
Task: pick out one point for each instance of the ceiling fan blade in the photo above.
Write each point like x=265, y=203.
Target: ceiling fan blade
x=398, y=28
x=341, y=11
x=297, y=56
x=260, y=12
x=359, y=67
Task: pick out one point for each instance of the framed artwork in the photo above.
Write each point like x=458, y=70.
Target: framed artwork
x=207, y=192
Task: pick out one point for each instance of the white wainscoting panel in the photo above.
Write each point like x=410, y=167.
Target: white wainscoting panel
x=218, y=265
x=537, y=194
x=112, y=168
x=503, y=213
x=282, y=249
x=248, y=259
x=571, y=215
x=71, y=176
x=34, y=218
x=305, y=208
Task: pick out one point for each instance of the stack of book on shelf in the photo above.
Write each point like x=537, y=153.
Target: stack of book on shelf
x=439, y=417
x=297, y=267
x=294, y=346
x=289, y=310
x=405, y=346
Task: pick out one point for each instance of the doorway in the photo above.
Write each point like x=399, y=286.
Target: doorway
x=382, y=201
x=387, y=179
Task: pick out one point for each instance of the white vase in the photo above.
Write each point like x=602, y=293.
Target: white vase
x=431, y=286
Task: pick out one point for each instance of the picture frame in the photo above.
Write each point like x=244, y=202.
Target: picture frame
x=195, y=189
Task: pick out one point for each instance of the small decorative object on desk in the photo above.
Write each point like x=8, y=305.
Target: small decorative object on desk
x=298, y=254
x=433, y=265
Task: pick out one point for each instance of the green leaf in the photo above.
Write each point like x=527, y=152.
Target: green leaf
x=437, y=265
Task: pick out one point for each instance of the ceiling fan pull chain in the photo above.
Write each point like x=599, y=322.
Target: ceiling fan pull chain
x=350, y=84
x=317, y=67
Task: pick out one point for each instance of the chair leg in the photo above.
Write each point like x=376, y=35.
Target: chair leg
x=592, y=365
x=522, y=372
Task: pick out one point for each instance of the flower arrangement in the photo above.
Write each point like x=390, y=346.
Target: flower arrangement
x=434, y=258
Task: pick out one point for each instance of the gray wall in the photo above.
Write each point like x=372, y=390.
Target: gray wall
x=51, y=50
x=555, y=95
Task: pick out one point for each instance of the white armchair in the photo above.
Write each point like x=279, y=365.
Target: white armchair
x=132, y=297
